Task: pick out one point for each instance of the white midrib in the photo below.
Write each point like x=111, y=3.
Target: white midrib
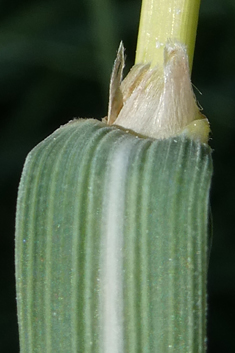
x=112, y=259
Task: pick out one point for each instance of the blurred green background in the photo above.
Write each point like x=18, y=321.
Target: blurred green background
x=55, y=62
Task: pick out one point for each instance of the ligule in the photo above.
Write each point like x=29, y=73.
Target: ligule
x=111, y=242
x=157, y=102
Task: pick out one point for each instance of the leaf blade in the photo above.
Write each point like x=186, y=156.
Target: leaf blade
x=99, y=184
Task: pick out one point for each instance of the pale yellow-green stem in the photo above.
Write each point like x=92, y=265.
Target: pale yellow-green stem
x=162, y=20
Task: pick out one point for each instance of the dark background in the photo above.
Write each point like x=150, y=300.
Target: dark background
x=55, y=62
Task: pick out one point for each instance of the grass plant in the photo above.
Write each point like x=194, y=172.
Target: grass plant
x=112, y=216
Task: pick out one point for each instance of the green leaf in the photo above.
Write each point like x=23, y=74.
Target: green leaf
x=111, y=242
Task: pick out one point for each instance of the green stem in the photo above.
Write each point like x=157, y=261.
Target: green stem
x=162, y=20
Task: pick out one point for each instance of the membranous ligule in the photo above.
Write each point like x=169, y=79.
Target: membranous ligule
x=157, y=102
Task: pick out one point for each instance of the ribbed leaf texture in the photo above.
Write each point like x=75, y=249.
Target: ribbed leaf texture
x=111, y=243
